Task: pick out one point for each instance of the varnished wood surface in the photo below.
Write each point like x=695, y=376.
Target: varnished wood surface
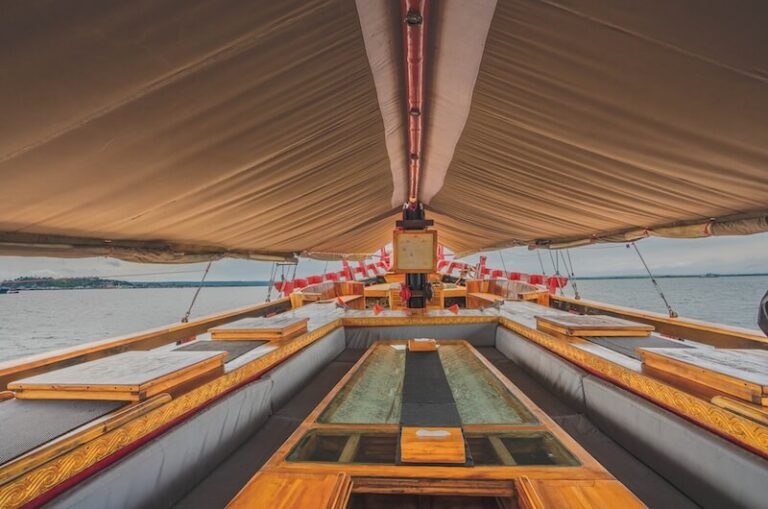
x=432, y=445
x=430, y=345
x=610, y=355
x=453, y=292
x=128, y=376
x=554, y=494
x=740, y=373
x=479, y=300
x=379, y=290
x=592, y=325
x=721, y=336
x=278, y=490
x=276, y=327
x=758, y=413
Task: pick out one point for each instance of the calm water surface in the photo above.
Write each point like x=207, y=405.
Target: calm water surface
x=38, y=321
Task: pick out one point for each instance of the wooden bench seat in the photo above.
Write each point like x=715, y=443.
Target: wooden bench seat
x=477, y=300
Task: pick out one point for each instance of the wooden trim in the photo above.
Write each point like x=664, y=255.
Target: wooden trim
x=146, y=340
x=78, y=437
x=720, y=336
x=755, y=412
x=443, y=472
x=473, y=487
x=394, y=321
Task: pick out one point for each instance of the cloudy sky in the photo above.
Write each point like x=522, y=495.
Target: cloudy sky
x=665, y=256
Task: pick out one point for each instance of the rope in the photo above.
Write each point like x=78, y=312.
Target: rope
x=272, y=276
x=556, y=267
x=503, y=265
x=185, y=319
x=571, y=275
x=672, y=313
x=541, y=263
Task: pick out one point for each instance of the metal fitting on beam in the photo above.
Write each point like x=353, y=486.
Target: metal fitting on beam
x=413, y=18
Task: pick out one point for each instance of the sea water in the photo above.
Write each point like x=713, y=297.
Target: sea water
x=38, y=321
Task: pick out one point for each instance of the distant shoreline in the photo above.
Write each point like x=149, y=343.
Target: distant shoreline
x=112, y=284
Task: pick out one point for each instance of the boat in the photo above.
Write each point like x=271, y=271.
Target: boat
x=386, y=134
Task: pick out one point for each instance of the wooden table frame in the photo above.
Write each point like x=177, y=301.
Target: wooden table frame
x=451, y=480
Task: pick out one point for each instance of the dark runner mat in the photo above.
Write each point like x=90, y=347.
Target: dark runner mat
x=427, y=398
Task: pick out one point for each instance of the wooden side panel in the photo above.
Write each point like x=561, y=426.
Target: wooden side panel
x=557, y=494
x=432, y=445
x=277, y=490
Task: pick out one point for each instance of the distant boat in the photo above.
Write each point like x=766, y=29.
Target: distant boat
x=8, y=290
x=710, y=274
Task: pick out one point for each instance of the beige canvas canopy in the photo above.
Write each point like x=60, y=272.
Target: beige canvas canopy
x=189, y=130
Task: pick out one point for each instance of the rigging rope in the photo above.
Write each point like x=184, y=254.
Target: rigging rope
x=541, y=263
x=672, y=313
x=272, y=275
x=571, y=276
x=185, y=319
x=503, y=265
x=556, y=267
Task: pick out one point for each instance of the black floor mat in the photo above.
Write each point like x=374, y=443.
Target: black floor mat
x=427, y=397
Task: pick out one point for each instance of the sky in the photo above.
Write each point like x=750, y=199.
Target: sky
x=722, y=255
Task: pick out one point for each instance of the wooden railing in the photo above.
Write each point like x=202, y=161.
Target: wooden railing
x=33, y=365
x=721, y=336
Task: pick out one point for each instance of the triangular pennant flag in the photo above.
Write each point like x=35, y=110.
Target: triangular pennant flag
x=377, y=309
x=454, y=309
